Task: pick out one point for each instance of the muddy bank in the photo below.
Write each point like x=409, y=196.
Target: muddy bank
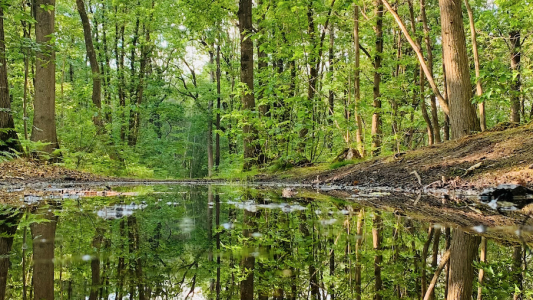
x=474, y=162
x=510, y=227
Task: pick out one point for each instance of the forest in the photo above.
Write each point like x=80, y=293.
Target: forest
x=188, y=89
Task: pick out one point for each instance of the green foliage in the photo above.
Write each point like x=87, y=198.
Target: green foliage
x=174, y=98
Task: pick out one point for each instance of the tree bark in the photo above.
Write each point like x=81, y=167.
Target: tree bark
x=95, y=69
x=43, y=236
x=210, y=158
x=252, y=150
x=463, y=117
x=44, y=118
x=479, y=89
x=331, y=94
x=463, y=251
x=217, y=122
x=8, y=136
x=376, y=116
x=357, y=82
x=514, y=39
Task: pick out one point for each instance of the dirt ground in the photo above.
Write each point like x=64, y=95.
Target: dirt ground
x=494, y=157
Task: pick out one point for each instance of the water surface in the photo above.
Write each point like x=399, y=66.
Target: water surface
x=232, y=242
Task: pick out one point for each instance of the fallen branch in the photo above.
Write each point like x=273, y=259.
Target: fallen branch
x=443, y=261
x=472, y=168
x=417, y=177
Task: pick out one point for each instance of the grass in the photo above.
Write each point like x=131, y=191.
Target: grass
x=341, y=164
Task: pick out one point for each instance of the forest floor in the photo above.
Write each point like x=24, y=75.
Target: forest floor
x=503, y=154
x=25, y=176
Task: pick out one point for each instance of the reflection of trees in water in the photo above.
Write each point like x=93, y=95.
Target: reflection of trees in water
x=320, y=250
x=9, y=219
x=43, y=234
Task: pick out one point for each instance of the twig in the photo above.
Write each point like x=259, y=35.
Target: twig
x=417, y=177
x=472, y=168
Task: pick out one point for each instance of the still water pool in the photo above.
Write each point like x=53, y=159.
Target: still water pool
x=234, y=242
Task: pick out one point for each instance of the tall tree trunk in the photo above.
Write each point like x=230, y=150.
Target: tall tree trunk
x=217, y=122
x=9, y=220
x=95, y=69
x=106, y=67
x=210, y=158
x=514, y=39
x=378, y=258
x=462, y=113
x=146, y=50
x=120, y=55
x=376, y=117
x=331, y=94
x=43, y=236
x=463, y=251
x=8, y=136
x=26, y=27
x=357, y=82
x=44, y=118
x=312, y=82
x=479, y=89
x=252, y=150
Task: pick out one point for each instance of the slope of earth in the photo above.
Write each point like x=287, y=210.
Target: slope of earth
x=501, y=155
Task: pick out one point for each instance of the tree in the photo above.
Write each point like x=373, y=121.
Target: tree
x=44, y=119
x=376, y=117
x=95, y=69
x=515, y=41
x=252, y=149
x=8, y=135
x=463, y=117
